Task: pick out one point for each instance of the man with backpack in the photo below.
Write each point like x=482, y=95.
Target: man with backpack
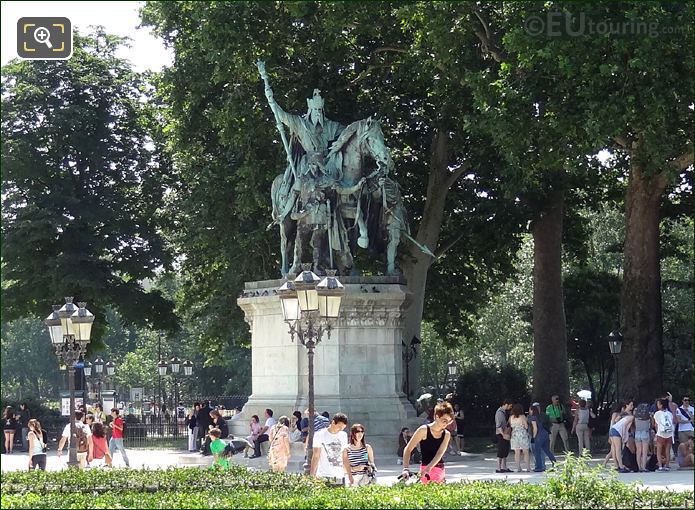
x=83, y=440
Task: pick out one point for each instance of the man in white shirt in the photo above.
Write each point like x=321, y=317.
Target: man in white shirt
x=684, y=417
x=82, y=430
x=327, y=451
x=263, y=436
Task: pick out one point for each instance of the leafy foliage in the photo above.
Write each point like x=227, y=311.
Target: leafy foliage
x=592, y=305
x=240, y=488
x=29, y=365
x=480, y=391
x=219, y=121
x=82, y=184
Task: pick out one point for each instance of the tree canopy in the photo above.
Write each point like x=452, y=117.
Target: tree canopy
x=83, y=183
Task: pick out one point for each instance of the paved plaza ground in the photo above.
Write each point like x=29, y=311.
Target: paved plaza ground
x=471, y=467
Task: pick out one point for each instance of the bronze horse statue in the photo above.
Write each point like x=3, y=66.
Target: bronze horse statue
x=334, y=211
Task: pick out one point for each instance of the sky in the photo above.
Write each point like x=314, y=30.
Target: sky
x=118, y=18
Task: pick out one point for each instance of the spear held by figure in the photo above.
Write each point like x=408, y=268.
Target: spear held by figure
x=269, y=94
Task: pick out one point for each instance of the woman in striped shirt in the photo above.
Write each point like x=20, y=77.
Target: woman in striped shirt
x=358, y=458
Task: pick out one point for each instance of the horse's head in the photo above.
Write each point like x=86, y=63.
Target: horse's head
x=372, y=139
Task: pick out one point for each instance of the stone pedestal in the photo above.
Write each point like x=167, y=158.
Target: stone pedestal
x=359, y=370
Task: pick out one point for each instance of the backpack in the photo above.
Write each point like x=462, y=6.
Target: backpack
x=82, y=441
x=642, y=411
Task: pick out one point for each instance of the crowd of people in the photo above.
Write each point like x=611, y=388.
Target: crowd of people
x=97, y=437
x=335, y=457
x=642, y=437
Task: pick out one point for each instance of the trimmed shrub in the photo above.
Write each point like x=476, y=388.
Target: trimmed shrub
x=574, y=485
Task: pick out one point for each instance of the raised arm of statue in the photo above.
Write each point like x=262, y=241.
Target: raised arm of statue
x=280, y=114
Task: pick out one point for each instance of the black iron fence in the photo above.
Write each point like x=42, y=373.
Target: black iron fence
x=158, y=434
x=163, y=435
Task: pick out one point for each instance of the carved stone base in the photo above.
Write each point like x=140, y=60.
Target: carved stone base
x=359, y=370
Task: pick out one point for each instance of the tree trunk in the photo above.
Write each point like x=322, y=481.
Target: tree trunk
x=550, y=368
x=416, y=264
x=642, y=356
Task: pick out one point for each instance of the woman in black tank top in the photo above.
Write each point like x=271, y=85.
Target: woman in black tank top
x=430, y=445
x=433, y=439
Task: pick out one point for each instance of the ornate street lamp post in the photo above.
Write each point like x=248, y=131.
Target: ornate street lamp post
x=409, y=353
x=310, y=306
x=452, y=369
x=615, y=344
x=162, y=371
x=96, y=370
x=70, y=328
x=175, y=364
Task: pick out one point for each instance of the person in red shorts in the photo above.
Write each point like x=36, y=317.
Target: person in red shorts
x=433, y=439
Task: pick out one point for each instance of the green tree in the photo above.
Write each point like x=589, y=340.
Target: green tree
x=592, y=303
x=373, y=58
x=29, y=364
x=82, y=183
x=630, y=93
x=677, y=294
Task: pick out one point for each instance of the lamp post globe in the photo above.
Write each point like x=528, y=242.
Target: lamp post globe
x=87, y=368
x=452, y=367
x=305, y=285
x=65, y=313
x=82, y=320
x=615, y=341
x=289, y=300
x=330, y=292
x=188, y=368
x=110, y=368
x=162, y=367
x=55, y=328
x=98, y=366
x=175, y=365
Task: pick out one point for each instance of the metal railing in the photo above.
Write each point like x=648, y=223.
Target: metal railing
x=171, y=434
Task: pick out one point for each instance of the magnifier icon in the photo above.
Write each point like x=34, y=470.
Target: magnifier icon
x=43, y=36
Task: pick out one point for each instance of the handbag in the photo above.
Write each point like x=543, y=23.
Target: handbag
x=371, y=474
x=44, y=446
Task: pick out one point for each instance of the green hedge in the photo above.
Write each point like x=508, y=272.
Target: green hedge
x=573, y=486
